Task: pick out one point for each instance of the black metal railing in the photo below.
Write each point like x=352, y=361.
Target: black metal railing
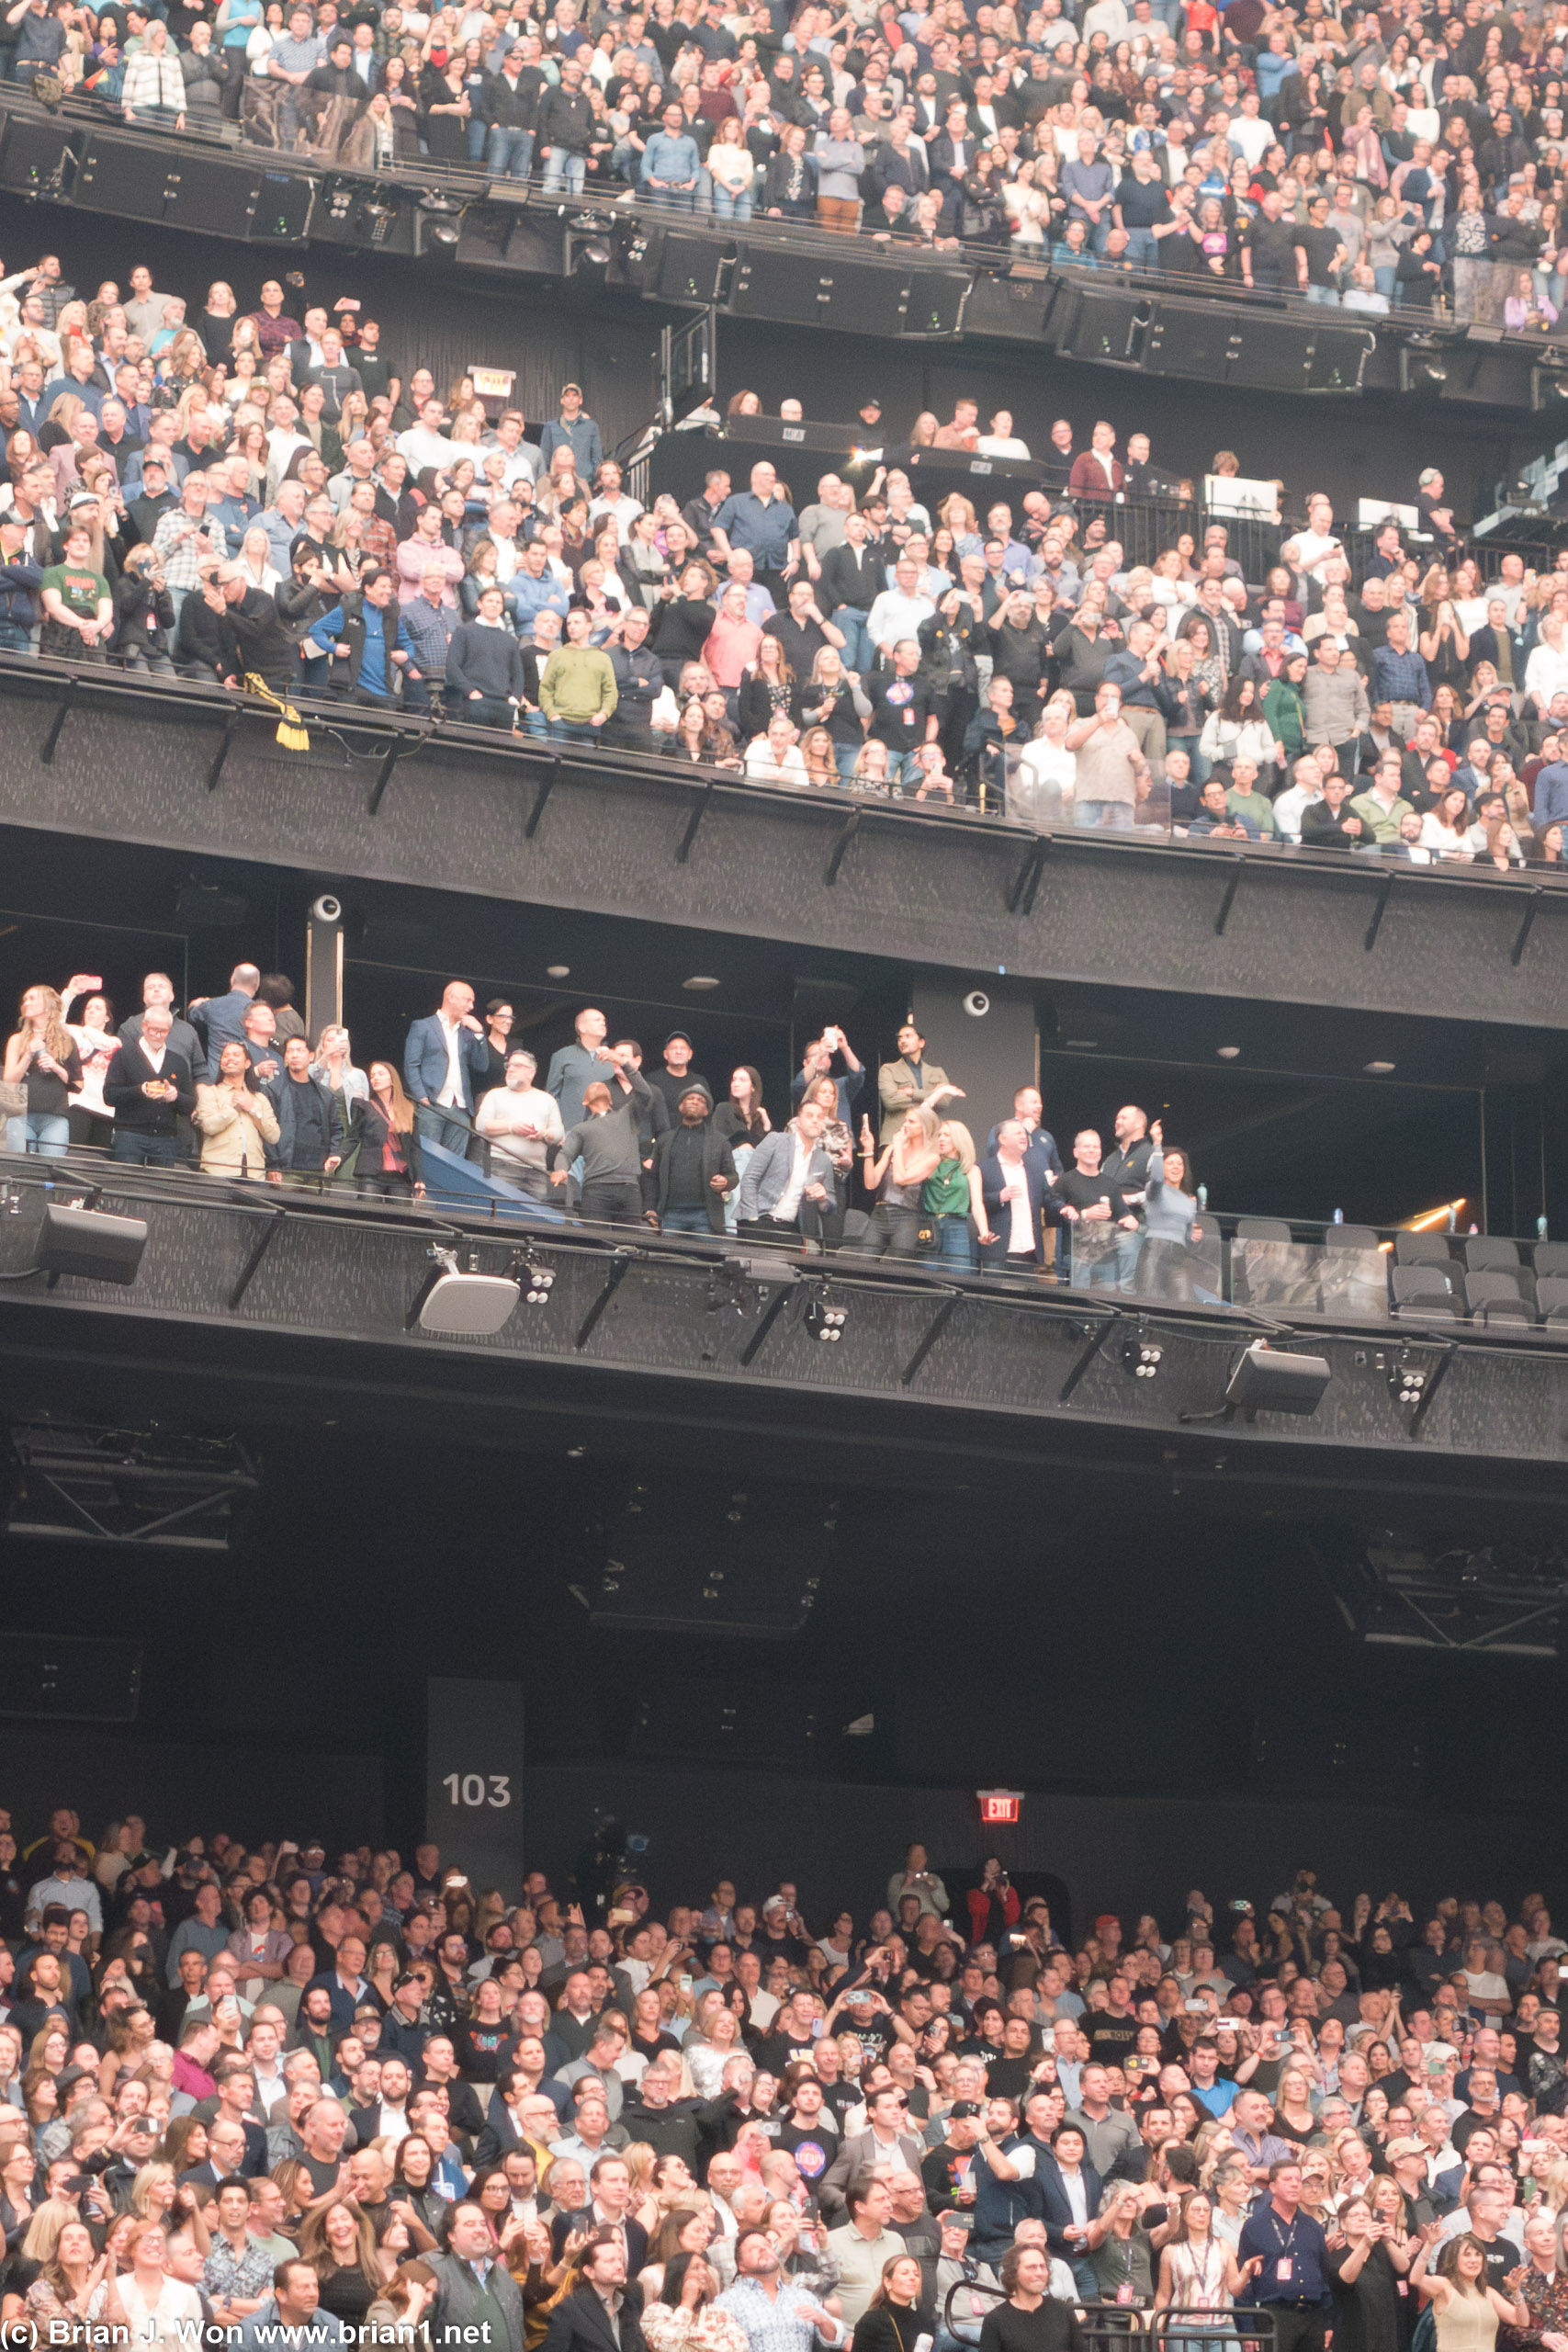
x=387, y=740
x=1267, y=1270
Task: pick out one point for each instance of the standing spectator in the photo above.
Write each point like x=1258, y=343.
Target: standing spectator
x=762, y=522
x=1283, y=2254
x=444, y=1053
x=607, y=1141
x=1112, y=774
x=520, y=1122
x=148, y=1085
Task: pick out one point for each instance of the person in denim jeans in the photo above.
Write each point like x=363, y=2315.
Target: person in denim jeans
x=42, y=1058
x=952, y=1195
x=566, y=121
x=20, y=580
x=510, y=112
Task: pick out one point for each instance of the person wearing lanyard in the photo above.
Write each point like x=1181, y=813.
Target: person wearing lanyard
x=1283, y=2254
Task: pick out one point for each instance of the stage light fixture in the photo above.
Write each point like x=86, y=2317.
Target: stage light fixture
x=823, y=1320
x=444, y=218
x=532, y=1277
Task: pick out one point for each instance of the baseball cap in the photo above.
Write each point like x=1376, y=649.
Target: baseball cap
x=1397, y=2148
x=963, y=2110
x=685, y=1040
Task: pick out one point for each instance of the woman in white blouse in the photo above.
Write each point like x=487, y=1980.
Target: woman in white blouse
x=1445, y=828
x=153, y=2307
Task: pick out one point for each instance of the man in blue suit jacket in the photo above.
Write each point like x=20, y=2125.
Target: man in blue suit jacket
x=441, y=1059
x=1014, y=1189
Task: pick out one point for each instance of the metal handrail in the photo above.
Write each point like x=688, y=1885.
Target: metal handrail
x=395, y=734
x=1107, y=2323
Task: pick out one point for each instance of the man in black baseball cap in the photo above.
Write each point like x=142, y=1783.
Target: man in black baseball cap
x=677, y=1074
x=949, y=2170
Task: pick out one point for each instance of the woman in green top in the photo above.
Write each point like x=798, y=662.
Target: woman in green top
x=1285, y=710
x=952, y=1195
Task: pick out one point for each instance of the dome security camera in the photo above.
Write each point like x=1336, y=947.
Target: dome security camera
x=326, y=908
x=977, y=1004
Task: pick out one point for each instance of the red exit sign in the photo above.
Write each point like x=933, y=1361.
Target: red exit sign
x=999, y=1804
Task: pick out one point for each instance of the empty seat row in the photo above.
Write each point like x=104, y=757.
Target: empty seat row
x=1497, y=1296
x=1484, y=1253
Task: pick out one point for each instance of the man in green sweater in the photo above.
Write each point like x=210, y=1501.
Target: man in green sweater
x=1245, y=800
x=577, y=689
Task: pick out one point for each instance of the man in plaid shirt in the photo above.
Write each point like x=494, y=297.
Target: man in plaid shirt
x=188, y=540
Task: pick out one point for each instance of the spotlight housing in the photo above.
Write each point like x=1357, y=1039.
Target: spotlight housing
x=825, y=1321
x=534, y=1278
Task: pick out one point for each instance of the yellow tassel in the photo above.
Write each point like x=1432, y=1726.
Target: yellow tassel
x=291, y=733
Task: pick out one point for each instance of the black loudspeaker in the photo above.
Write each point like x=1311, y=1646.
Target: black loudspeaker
x=691, y=269
x=1108, y=328
x=937, y=302
x=1336, y=1752
x=773, y=432
x=1339, y=358
x=208, y=193
x=1202, y=341
x=85, y=1242
x=678, y=1557
x=282, y=208
x=864, y=301
x=770, y=285
x=70, y=1678
x=483, y=236
x=1278, y=355
x=1012, y=310
x=1487, y=374
x=123, y=175
x=1275, y=354
x=38, y=158
x=764, y=1724
x=537, y=247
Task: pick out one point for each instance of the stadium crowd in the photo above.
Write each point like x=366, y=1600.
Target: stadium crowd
x=304, y=2100
x=265, y=499
x=1363, y=158
x=236, y=1085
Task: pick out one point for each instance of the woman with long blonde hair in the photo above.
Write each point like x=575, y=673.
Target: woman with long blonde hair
x=898, y=1176
x=42, y=1068
x=952, y=1195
